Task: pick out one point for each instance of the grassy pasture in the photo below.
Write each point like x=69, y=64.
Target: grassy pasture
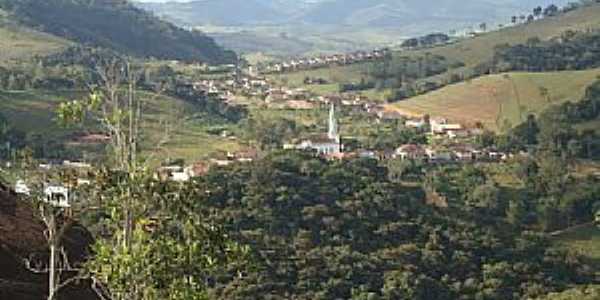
x=500, y=100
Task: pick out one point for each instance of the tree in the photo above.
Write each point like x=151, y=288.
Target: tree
x=537, y=12
x=486, y=198
x=483, y=27
x=516, y=212
x=527, y=133
x=551, y=10
x=544, y=93
x=160, y=245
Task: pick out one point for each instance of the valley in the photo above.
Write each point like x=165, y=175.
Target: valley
x=345, y=150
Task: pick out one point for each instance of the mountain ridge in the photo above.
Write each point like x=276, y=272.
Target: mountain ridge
x=131, y=31
x=338, y=12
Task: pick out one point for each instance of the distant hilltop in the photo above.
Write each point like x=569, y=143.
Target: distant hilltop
x=116, y=25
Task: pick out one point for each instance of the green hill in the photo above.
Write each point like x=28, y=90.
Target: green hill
x=19, y=43
x=501, y=99
x=481, y=48
x=34, y=113
x=116, y=25
x=466, y=54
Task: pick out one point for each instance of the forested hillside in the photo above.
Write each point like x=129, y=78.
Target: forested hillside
x=347, y=230
x=116, y=25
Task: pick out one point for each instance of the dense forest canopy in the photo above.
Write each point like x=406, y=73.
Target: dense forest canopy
x=571, y=51
x=130, y=30
x=344, y=230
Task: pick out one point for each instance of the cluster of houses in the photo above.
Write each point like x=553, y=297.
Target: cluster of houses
x=57, y=194
x=300, y=98
x=454, y=148
x=454, y=153
x=326, y=61
x=179, y=173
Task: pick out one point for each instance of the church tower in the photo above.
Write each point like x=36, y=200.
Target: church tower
x=333, y=126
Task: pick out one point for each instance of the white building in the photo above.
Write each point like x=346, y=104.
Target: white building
x=442, y=126
x=329, y=144
x=57, y=196
x=21, y=188
x=415, y=123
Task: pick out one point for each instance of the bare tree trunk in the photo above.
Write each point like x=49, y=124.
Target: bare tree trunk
x=52, y=266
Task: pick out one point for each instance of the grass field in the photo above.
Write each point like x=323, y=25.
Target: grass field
x=34, y=112
x=584, y=241
x=18, y=43
x=476, y=50
x=499, y=100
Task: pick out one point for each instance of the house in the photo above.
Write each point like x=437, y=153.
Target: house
x=76, y=165
x=439, y=155
x=464, y=153
x=276, y=95
x=410, y=151
x=367, y=154
x=57, y=196
x=460, y=133
x=180, y=176
x=172, y=173
x=222, y=162
x=246, y=155
x=441, y=126
x=21, y=188
x=418, y=124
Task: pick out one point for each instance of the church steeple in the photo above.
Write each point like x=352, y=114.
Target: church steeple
x=333, y=126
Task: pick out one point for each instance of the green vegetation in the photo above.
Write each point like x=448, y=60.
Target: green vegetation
x=584, y=241
x=481, y=49
x=463, y=59
x=323, y=230
x=33, y=112
x=584, y=293
x=19, y=43
x=131, y=31
x=572, y=51
x=500, y=101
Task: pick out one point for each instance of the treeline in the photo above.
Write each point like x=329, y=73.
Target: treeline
x=554, y=130
x=361, y=86
x=344, y=230
x=551, y=197
x=403, y=75
x=74, y=68
x=213, y=108
x=38, y=76
x=572, y=51
x=118, y=26
x=17, y=144
x=429, y=40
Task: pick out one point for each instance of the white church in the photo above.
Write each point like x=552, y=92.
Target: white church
x=325, y=144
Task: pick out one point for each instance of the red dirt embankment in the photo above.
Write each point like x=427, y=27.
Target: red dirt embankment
x=22, y=237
